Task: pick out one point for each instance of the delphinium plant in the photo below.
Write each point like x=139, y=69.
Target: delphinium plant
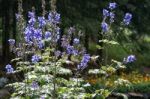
x=52, y=64
x=108, y=40
x=108, y=67
x=41, y=61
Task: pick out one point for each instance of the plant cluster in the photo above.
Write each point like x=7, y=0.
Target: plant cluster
x=44, y=52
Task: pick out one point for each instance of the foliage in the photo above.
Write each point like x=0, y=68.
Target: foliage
x=139, y=87
x=135, y=81
x=45, y=56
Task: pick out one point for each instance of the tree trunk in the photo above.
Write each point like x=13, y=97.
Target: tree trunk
x=7, y=18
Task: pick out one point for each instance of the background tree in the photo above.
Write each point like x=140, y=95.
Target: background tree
x=86, y=15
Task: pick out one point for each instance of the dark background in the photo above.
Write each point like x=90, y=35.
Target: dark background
x=87, y=16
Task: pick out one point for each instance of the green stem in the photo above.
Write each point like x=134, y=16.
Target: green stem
x=106, y=55
x=54, y=83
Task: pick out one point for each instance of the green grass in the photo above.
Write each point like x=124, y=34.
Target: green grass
x=140, y=87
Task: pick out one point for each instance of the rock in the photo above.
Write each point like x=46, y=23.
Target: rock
x=136, y=96
x=130, y=95
x=118, y=96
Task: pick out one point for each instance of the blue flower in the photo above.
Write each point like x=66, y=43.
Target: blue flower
x=42, y=21
x=76, y=41
x=57, y=53
x=29, y=34
x=42, y=97
x=32, y=21
x=40, y=44
x=47, y=34
x=9, y=68
x=54, y=17
x=86, y=58
x=64, y=42
x=57, y=36
x=112, y=16
x=18, y=16
x=31, y=14
x=50, y=17
x=70, y=49
x=35, y=58
x=57, y=17
x=38, y=34
x=35, y=85
x=127, y=18
x=104, y=27
x=105, y=13
x=75, y=52
x=112, y=5
x=11, y=41
x=57, y=30
x=130, y=59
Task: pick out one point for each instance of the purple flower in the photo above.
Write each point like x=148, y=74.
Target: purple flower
x=70, y=49
x=57, y=17
x=75, y=52
x=47, y=34
x=11, y=41
x=38, y=34
x=105, y=13
x=32, y=21
x=84, y=61
x=35, y=85
x=9, y=68
x=42, y=21
x=57, y=30
x=76, y=41
x=57, y=53
x=40, y=44
x=35, y=58
x=112, y=16
x=54, y=17
x=27, y=39
x=31, y=14
x=86, y=58
x=29, y=34
x=127, y=18
x=129, y=59
x=28, y=31
x=57, y=37
x=104, y=27
x=50, y=17
x=42, y=97
x=112, y=5
x=19, y=53
x=64, y=42
x=18, y=16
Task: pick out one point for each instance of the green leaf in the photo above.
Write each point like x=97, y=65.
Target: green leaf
x=15, y=59
x=109, y=42
x=99, y=47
